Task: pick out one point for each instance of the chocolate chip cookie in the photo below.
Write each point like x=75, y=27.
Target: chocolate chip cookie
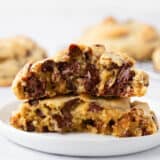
x=81, y=70
x=156, y=59
x=14, y=53
x=138, y=40
x=118, y=117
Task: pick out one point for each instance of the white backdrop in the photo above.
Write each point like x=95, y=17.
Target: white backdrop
x=57, y=22
x=54, y=23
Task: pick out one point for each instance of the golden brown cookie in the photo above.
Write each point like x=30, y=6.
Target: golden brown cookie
x=81, y=70
x=14, y=53
x=118, y=117
x=156, y=59
x=138, y=40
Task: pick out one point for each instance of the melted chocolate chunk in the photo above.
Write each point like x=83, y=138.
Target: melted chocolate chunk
x=88, y=54
x=29, y=67
x=33, y=102
x=65, y=121
x=62, y=66
x=68, y=106
x=40, y=113
x=30, y=126
x=146, y=132
x=60, y=121
x=91, y=79
x=71, y=86
x=124, y=77
x=111, y=122
x=155, y=120
x=93, y=107
x=45, y=129
x=68, y=69
x=88, y=122
x=127, y=134
x=28, y=53
x=47, y=66
x=74, y=51
x=34, y=87
x=113, y=66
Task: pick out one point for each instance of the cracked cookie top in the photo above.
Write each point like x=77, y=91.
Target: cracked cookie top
x=81, y=69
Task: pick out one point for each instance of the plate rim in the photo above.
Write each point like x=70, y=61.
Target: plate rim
x=78, y=141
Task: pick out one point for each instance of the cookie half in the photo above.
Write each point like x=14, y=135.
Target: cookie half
x=81, y=70
x=118, y=117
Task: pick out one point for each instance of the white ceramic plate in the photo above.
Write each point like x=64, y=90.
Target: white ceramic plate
x=75, y=144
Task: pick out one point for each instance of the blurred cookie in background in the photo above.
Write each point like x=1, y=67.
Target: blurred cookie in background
x=156, y=59
x=138, y=40
x=14, y=53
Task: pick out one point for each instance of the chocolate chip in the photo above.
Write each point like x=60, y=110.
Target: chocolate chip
x=119, y=87
x=61, y=66
x=60, y=121
x=113, y=66
x=111, y=122
x=88, y=122
x=146, y=132
x=65, y=121
x=93, y=107
x=16, y=57
x=45, y=129
x=33, y=102
x=99, y=45
x=146, y=84
x=71, y=86
x=127, y=134
x=88, y=54
x=74, y=51
x=125, y=75
x=68, y=69
x=47, y=107
x=30, y=126
x=68, y=106
x=40, y=113
x=66, y=111
x=47, y=66
x=44, y=55
x=28, y=53
x=133, y=119
x=91, y=79
x=29, y=67
x=34, y=87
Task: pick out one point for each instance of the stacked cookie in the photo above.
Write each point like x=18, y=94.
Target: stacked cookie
x=83, y=89
x=14, y=53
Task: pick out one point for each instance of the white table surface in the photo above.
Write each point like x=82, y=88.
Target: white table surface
x=54, y=23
